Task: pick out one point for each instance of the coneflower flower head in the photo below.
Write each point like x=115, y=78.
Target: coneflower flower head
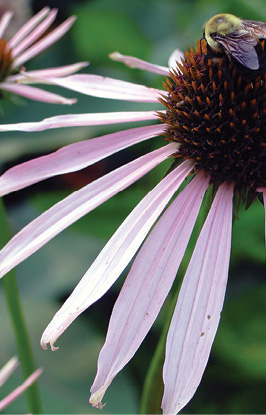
x=218, y=115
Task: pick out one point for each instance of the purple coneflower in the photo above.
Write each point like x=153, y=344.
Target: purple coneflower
x=5, y=372
x=28, y=42
x=214, y=123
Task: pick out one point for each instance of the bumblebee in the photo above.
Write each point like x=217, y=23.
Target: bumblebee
x=239, y=40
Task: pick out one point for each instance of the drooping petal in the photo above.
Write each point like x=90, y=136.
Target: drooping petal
x=147, y=285
x=8, y=369
x=197, y=314
x=74, y=156
x=20, y=389
x=116, y=254
x=175, y=57
x=4, y=22
x=133, y=62
x=36, y=94
x=73, y=207
x=27, y=27
x=104, y=87
x=35, y=34
x=44, y=43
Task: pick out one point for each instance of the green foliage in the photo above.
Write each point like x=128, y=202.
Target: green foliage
x=248, y=235
x=241, y=340
x=102, y=31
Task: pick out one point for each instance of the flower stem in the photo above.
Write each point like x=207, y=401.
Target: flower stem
x=21, y=333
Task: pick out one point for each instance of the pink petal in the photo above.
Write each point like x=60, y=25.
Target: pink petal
x=73, y=207
x=36, y=94
x=104, y=87
x=26, y=28
x=175, y=57
x=77, y=120
x=74, y=157
x=44, y=43
x=147, y=285
x=4, y=22
x=35, y=34
x=46, y=73
x=116, y=254
x=19, y=390
x=133, y=62
x=8, y=369
x=197, y=314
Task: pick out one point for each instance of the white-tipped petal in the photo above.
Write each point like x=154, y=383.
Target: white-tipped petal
x=175, y=57
x=197, y=313
x=4, y=22
x=8, y=369
x=73, y=207
x=148, y=283
x=116, y=254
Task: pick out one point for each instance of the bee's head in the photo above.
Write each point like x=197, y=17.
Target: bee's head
x=220, y=25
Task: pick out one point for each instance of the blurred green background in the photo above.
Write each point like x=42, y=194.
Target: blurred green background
x=235, y=379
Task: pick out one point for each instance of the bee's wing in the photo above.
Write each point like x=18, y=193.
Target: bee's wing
x=256, y=28
x=241, y=47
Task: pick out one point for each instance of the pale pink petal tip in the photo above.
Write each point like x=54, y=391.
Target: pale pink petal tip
x=8, y=369
x=96, y=398
x=4, y=22
x=33, y=377
x=175, y=57
x=133, y=62
x=44, y=343
x=261, y=189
